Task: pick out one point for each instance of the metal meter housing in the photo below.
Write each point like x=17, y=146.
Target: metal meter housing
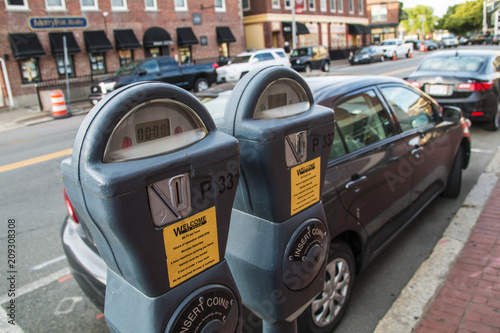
x=154, y=181
x=278, y=238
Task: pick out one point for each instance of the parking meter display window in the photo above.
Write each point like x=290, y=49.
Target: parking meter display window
x=282, y=98
x=147, y=131
x=191, y=246
x=305, y=182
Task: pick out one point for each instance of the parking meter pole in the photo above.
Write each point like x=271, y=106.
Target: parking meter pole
x=154, y=181
x=278, y=240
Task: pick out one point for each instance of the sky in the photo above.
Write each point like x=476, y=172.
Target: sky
x=440, y=6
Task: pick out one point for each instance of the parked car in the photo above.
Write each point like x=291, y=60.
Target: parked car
x=309, y=58
x=165, y=69
x=430, y=44
x=415, y=42
x=383, y=126
x=463, y=40
x=366, y=55
x=450, y=41
x=478, y=39
x=396, y=48
x=468, y=79
x=246, y=61
x=493, y=39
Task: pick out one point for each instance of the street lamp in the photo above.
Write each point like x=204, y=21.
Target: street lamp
x=421, y=18
x=104, y=14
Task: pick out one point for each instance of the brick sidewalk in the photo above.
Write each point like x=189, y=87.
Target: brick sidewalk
x=469, y=301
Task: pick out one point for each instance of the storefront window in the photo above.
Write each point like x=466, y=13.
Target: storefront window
x=185, y=53
x=153, y=52
x=97, y=63
x=125, y=56
x=61, y=71
x=30, y=72
x=224, y=51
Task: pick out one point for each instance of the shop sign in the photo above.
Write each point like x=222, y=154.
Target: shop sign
x=57, y=23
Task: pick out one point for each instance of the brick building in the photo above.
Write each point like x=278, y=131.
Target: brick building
x=337, y=24
x=102, y=35
x=384, y=19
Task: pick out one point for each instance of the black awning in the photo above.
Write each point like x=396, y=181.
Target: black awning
x=301, y=28
x=224, y=35
x=357, y=29
x=382, y=25
x=126, y=40
x=57, y=45
x=26, y=46
x=156, y=36
x=185, y=36
x=97, y=41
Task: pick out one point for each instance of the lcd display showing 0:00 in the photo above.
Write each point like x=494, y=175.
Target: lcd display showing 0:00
x=152, y=130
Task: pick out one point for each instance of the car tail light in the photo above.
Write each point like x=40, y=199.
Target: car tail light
x=215, y=65
x=416, y=84
x=477, y=113
x=475, y=86
x=69, y=207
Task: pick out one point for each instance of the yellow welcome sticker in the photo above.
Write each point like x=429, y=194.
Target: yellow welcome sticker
x=191, y=246
x=305, y=183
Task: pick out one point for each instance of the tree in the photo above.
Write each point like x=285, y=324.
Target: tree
x=466, y=17
x=415, y=14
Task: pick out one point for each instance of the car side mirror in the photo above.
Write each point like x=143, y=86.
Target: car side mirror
x=142, y=71
x=451, y=113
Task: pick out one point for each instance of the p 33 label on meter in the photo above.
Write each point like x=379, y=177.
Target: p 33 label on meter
x=191, y=246
x=305, y=183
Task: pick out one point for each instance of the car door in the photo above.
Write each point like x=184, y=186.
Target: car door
x=429, y=146
x=171, y=72
x=361, y=168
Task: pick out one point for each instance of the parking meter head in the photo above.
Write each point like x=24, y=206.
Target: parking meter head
x=282, y=135
x=154, y=181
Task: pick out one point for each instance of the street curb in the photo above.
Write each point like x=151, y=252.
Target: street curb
x=413, y=302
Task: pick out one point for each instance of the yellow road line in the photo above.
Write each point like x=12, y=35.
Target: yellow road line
x=399, y=71
x=19, y=141
x=35, y=160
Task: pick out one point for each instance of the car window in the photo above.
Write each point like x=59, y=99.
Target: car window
x=452, y=63
x=362, y=120
x=281, y=54
x=241, y=59
x=264, y=57
x=411, y=109
x=151, y=66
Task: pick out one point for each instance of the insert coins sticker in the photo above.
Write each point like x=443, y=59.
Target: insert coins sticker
x=305, y=185
x=191, y=246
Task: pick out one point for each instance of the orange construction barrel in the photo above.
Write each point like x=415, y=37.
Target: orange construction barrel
x=59, y=109
x=423, y=48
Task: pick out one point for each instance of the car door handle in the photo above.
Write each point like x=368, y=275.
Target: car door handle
x=417, y=151
x=355, y=184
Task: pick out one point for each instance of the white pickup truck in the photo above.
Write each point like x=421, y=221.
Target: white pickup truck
x=395, y=48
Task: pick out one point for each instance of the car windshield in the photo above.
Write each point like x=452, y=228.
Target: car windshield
x=363, y=51
x=128, y=68
x=388, y=43
x=452, y=64
x=241, y=59
x=300, y=52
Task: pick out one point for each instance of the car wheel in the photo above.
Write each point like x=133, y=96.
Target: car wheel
x=201, y=84
x=326, y=311
x=308, y=68
x=454, y=185
x=408, y=54
x=326, y=66
x=493, y=124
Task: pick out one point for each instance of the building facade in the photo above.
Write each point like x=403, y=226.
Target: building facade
x=337, y=24
x=102, y=35
x=384, y=19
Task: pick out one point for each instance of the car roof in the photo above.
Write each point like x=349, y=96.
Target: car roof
x=259, y=51
x=322, y=86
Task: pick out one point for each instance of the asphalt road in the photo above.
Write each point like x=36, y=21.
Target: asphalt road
x=47, y=296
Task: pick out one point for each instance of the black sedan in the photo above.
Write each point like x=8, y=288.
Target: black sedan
x=393, y=152
x=468, y=79
x=366, y=55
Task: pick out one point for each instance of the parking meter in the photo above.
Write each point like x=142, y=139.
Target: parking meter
x=154, y=181
x=278, y=239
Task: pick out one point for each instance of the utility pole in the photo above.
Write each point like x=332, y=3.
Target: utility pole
x=421, y=18
x=485, y=14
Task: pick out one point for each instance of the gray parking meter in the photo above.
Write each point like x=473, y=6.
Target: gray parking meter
x=154, y=181
x=278, y=239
